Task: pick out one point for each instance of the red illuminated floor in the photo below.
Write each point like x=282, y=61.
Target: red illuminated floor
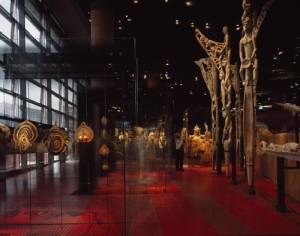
x=195, y=202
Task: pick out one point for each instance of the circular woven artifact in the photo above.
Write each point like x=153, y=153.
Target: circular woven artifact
x=5, y=131
x=56, y=140
x=84, y=133
x=24, y=135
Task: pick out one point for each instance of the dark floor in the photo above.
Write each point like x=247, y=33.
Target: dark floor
x=193, y=202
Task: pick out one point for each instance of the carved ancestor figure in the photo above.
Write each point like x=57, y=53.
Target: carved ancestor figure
x=238, y=121
x=207, y=133
x=208, y=71
x=220, y=54
x=248, y=70
x=196, y=143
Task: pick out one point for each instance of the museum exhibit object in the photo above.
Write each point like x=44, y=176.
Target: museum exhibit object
x=84, y=133
x=24, y=135
x=149, y=117
x=238, y=116
x=56, y=140
x=4, y=133
x=249, y=71
x=220, y=55
x=209, y=74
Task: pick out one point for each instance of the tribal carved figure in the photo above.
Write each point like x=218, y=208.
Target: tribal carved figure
x=220, y=54
x=208, y=71
x=248, y=71
x=238, y=120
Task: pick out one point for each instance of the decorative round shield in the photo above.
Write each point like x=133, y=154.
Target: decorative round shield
x=56, y=140
x=84, y=133
x=24, y=135
x=5, y=131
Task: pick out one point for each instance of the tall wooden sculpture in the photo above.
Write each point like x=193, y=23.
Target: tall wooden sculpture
x=248, y=71
x=220, y=54
x=209, y=74
x=238, y=114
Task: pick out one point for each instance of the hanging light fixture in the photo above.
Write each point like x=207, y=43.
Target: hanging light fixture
x=84, y=133
x=24, y=135
x=104, y=150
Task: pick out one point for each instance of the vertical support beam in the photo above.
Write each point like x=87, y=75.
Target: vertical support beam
x=39, y=159
x=23, y=92
x=49, y=102
x=102, y=23
x=2, y=157
x=136, y=85
x=21, y=7
x=24, y=161
x=281, y=207
x=86, y=150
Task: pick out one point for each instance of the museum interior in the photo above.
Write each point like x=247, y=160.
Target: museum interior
x=149, y=117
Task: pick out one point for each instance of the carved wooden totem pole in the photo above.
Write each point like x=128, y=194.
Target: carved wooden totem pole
x=248, y=71
x=209, y=74
x=220, y=54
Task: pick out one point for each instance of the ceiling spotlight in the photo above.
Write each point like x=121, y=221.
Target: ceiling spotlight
x=207, y=26
x=145, y=76
x=196, y=78
x=192, y=24
x=129, y=19
x=166, y=1
x=189, y=3
x=136, y=1
x=177, y=22
x=167, y=63
x=237, y=27
x=191, y=92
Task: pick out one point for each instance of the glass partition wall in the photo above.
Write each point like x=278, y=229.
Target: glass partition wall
x=50, y=80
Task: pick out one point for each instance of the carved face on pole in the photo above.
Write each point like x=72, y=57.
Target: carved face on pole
x=225, y=30
x=247, y=24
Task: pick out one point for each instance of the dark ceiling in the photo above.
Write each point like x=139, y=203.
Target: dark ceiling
x=159, y=38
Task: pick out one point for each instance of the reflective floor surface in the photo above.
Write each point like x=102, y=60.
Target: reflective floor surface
x=157, y=202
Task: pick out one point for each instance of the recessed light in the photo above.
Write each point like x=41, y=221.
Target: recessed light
x=189, y=3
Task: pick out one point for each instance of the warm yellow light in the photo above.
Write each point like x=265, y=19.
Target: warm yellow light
x=189, y=3
x=84, y=133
